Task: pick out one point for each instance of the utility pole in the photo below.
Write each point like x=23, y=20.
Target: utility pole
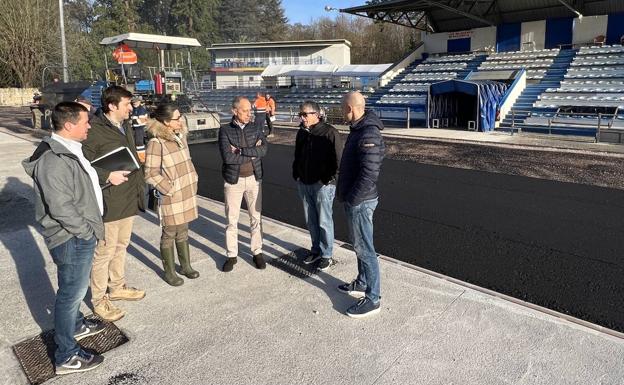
x=63, y=46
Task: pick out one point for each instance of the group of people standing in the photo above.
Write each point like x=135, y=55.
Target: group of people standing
x=323, y=169
x=87, y=213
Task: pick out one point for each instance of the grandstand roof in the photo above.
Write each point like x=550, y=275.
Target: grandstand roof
x=144, y=40
x=458, y=15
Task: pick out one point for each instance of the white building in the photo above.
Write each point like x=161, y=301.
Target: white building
x=241, y=64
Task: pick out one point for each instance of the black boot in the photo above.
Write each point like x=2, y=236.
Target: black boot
x=168, y=259
x=185, y=260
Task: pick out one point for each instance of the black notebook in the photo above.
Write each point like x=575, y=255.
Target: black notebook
x=120, y=159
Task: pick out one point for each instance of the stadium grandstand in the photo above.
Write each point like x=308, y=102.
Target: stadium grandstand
x=550, y=67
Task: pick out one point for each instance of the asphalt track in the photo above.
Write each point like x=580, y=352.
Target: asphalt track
x=552, y=243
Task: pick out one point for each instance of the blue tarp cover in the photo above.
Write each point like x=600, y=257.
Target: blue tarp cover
x=443, y=103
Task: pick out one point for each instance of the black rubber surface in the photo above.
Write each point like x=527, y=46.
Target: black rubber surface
x=36, y=355
x=556, y=244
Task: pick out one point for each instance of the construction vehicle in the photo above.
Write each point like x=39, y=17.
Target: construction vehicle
x=161, y=83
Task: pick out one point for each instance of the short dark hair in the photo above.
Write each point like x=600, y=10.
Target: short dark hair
x=164, y=112
x=113, y=95
x=66, y=112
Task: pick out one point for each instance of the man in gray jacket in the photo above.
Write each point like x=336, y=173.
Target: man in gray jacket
x=69, y=208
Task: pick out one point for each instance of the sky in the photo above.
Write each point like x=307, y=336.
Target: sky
x=302, y=11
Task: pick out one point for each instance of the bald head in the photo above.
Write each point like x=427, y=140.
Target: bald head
x=353, y=104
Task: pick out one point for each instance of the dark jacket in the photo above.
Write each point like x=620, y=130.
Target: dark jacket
x=65, y=204
x=361, y=161
x=128, y=198
x=317, y=154
x=231, y=135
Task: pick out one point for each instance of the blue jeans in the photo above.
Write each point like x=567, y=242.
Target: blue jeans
x=360, y=221
x=318, y=200
x=73, y=261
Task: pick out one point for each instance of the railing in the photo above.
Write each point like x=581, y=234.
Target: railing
x=241, y=63
x=601, y=119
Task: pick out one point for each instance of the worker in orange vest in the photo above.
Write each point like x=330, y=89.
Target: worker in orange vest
x=271, y=111
x=260, y=108
x=124, y=54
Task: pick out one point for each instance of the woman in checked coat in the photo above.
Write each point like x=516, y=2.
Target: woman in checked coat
x=168, y=167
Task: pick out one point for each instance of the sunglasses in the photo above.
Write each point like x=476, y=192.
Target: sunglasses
x=305, y=114
x=178, y=118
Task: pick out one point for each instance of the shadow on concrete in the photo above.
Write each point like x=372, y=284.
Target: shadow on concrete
x=17, y=220
x=18, y=121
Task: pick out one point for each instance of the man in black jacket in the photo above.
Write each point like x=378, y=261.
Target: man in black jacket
x=242, y=145
x=318, y=149
x=357, y=188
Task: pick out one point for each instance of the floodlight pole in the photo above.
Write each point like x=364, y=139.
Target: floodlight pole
x=63, y=46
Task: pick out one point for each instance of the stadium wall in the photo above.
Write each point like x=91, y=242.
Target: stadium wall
x=533, y=31
x=532, y=34
x=587, y=28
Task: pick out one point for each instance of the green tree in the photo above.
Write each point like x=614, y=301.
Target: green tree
x=113, y=17
x=273, y=21
x=239, y=21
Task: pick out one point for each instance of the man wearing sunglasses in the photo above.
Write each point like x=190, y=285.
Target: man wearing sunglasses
x=318, y=148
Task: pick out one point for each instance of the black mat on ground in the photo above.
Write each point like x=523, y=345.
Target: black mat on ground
x=36, y=355
x=292, y=263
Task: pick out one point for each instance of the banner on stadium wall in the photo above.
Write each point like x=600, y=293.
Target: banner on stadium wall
x=459, y=34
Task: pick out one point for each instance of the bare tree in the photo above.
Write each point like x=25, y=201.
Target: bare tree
x=28, y=29
x=372, y=42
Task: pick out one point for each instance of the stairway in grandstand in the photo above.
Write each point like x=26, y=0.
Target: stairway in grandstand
x=409, y=89
x=550, y=79
x=582, y=97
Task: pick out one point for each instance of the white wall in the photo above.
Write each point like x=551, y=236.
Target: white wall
x=338, y=54
x=584, y=31
x=587, y=28
x=483, y=38
x=518, y=86
x=435, y=42
x=534, y=31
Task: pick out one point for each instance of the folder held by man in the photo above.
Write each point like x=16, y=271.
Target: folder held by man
x=120, y=159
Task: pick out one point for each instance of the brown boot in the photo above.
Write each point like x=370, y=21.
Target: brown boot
x=105, y=309
x=126, y=293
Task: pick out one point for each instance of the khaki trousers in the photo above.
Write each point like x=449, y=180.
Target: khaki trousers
x=251, y=190
x=109, y=260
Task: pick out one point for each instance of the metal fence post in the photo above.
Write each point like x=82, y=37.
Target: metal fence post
x=408, y=117
x=598, y=128
x=549, y=126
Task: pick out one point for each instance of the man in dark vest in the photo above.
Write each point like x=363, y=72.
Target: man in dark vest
x=242, y=145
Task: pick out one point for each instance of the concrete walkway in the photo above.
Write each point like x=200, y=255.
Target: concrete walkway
x=271, y=327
